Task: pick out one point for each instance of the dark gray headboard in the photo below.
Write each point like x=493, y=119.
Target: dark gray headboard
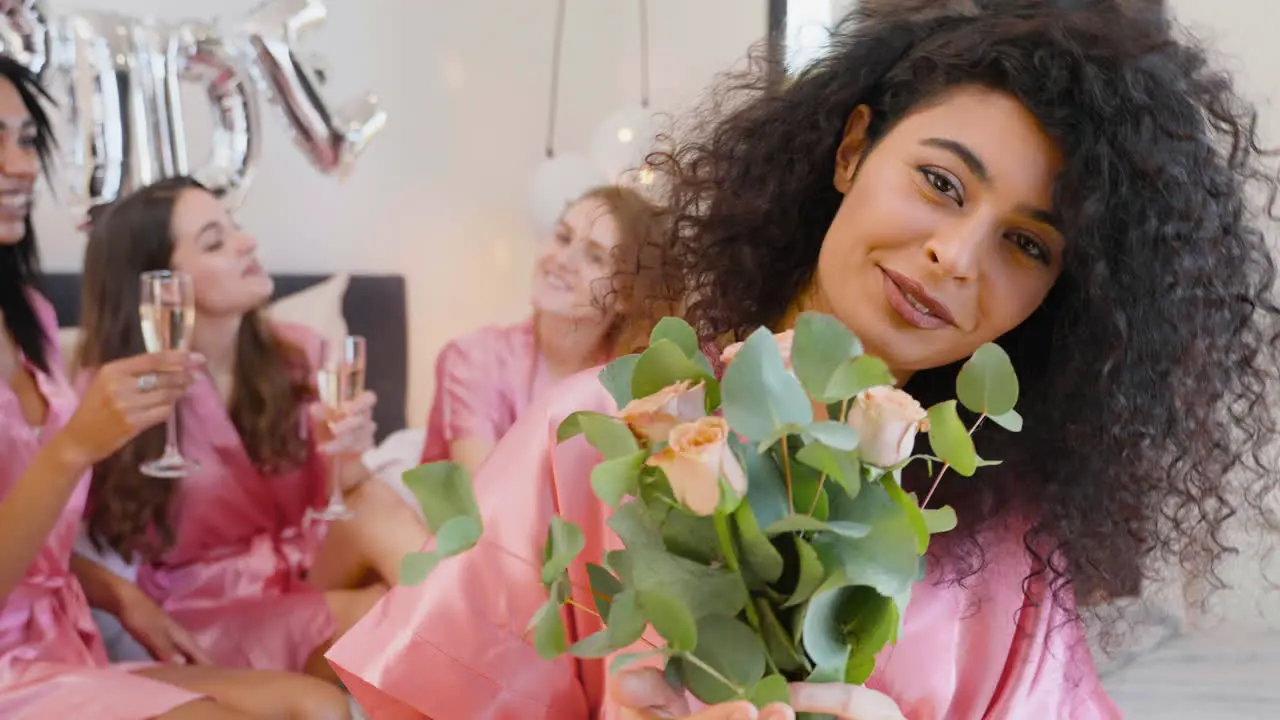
x=375, y=306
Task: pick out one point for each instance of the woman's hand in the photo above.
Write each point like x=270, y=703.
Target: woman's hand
x=125, y=398
x=161, y=635
x=348, y=432
x=645, y=695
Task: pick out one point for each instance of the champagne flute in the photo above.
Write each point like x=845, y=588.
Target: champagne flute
x=167, y=310
x=339, y=381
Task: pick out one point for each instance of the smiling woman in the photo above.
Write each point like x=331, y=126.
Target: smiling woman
x=581, y=317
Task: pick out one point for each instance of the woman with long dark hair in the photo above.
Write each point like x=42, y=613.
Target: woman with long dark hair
x=1067, y=179
x=52, y=660
x=234, y=552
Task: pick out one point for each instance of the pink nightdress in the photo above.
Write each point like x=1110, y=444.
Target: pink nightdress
x=243, y=544
x=452, y=648
x=484, y=381
x=52, y=661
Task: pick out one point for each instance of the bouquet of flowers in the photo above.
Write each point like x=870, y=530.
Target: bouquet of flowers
x=767, y=536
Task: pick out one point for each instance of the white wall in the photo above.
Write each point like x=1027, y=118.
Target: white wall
x=440, y=195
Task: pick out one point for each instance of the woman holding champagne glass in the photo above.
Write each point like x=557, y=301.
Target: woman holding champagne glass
x=52, y=660
x=269, y=541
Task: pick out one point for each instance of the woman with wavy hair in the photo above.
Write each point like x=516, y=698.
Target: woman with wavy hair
x=53, y=663
x=1066, y=179
x=231, y=554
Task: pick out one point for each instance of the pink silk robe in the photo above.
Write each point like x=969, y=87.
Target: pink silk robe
x=52, y=660
x=452, y=648
x=235, y=575
x=484, y=381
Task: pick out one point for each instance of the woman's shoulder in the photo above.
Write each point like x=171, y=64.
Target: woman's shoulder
x=498, y=340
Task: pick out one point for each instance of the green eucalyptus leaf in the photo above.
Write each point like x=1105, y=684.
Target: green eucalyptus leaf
x=619, y=563
x=564, y=541
x=443, y=490
x=940, y=520
x=834, y=435
x=679, y=332
x=777, y=641
x=730, y=648
x=760, y=395
x=609, y=435
x=415, y=567
x=569, y=428
x=457, y=535
x=761, y=561
x=806, y=523
x=821, y=347
x=806, y=485
x=671, y=619
x=604, y=587
x=779, y=433
x=847, y=627
x=637, y=526
x=810, y=573
x=767, y=489
x=614, y=479
x=886, y=559
x=550, y=639
x=950, y=439
x=771, y=689
x=626, y=620
x=625, y=660
x=987, y=383
x=859, y=669
x=841, y=467
x=664, y=364
x=692, y=536
x=616, y=378
x=1010, y=421
x=704, y=590
x=911, y=509
x=594, y=646
x=853, y=377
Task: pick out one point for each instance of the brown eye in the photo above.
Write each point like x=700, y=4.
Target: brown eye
x=942, y=182
x=1031, y=247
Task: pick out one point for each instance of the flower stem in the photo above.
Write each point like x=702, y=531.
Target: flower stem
x=725, y=536
x=936, y=480
x=786, y=472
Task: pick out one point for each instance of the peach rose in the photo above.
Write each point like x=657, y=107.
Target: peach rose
x=784, y=340
x=697, y=457
x=886, y=420
x=654, y=416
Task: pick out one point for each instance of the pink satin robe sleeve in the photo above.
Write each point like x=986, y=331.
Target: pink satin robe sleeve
x=484, y=381
x=243, y=543
x=452, y=648
x=52, y=660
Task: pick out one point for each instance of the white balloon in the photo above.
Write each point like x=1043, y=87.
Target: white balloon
x=620, y=144
x=557, y=182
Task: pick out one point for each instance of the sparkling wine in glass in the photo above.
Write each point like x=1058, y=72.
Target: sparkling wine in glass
x=339, y=381
x=167, y=310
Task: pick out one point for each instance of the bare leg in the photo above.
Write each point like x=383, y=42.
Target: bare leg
x=372, y=543
x=253, y=693
x=348, y=606
x=204, y=710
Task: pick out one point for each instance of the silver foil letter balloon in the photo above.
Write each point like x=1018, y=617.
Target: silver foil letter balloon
x=331, y=138
x=120, y=85
x=24, y=33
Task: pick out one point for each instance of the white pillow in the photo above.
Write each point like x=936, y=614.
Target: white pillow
x=319, y=307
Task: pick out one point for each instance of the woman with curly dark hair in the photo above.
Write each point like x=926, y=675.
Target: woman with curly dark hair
x=1071, y=182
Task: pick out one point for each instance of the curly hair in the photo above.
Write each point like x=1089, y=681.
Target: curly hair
x=1147, y=372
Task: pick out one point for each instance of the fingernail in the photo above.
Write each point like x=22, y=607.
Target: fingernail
x=197, y=358
x=741, y=714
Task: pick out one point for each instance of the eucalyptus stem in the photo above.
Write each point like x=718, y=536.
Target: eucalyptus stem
x=938, y=479
x=725, y=536
x=822, y=480
x=786, y=472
